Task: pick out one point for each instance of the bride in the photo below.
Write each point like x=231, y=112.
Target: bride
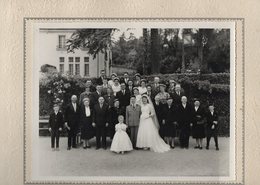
x=148, y=135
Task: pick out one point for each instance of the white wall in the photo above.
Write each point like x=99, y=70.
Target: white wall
x=49, y=54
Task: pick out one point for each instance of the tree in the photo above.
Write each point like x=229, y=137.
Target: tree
x=94, y=40
x=155, y=51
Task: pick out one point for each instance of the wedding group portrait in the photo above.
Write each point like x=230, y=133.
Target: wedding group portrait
x=133, y=101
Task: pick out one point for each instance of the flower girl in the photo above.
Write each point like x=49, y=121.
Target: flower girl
x=121, y=142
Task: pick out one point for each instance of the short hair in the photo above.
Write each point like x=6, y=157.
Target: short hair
x=120, y=116
x=100, y=97
x=126, y=72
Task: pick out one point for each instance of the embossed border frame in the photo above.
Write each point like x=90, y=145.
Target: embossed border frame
x=239, y=90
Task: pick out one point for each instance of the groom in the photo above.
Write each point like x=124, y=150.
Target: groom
x=133, y=112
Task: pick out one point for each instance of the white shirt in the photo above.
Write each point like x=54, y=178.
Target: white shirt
x=74, y=106
x=184, y=105
x=116, y=88
x=87, y=111
x=196, y=109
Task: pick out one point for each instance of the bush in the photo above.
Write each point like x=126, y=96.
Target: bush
x=207, y=87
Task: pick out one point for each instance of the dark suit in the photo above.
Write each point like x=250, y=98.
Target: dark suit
x=109, y=100
x=124, y=98
x=155, y=88
x=100, y=81
x=113, y=114
x=169, y=115
x=177, y=98
x=100, y=118
x=184, y=121
x=72, y=118
x=95, y=97
x=130, y=89
x=159, y=113
x=124, y=80
x=212, y=132
x=55, y=122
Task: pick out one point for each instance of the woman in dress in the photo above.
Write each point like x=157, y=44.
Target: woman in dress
x=121, y=141
x=148, y=136
x=116, y=87
x=137, y=95
x=87, y=131
x=163, y=95
x=142, y=89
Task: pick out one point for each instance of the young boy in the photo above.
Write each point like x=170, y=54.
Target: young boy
x=55, y=126
x=212, y=126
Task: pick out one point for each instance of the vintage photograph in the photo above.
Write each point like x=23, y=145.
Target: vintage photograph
x=137, y=101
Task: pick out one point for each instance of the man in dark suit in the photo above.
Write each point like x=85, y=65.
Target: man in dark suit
x=158, y=107
x=184, y=122
x=125, y=79
x=130, y=87
x=123, y=96
x=177, y=94
x=109, y=97
x=96, y=95
x=102, y=76
x=55, y=126
x=100, y=122
x=72, y=113
x=212, y=126
x=156, y=85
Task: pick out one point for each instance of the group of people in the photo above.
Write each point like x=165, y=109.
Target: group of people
x=135, y=115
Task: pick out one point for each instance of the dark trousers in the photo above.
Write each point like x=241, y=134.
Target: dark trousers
x=72, y=137
x=184, y=136
x=212, y=133
x=55, y=135
x=101, y=133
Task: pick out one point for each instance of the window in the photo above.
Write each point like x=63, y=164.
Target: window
x=77, y=69
x=77, y=59
x=70, y=59
x=71, y=69
x=86, y=59
x=61, y=41
x=86, y=70
x=61, y=68
x=61, y=59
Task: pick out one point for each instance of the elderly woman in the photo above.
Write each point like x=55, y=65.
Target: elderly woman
x=87, y=130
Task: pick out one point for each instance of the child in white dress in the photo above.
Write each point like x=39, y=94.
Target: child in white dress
x=121, y=141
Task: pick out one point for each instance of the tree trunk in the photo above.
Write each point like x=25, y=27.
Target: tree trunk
x=155, y=51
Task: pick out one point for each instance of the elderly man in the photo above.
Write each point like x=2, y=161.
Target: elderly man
x=185, y=120
x=177, y=94
x=96, y=95
x=100, y=122
x=72, y=114
x=90, y=85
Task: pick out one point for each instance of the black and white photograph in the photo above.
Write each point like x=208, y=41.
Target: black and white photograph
x=135, y=101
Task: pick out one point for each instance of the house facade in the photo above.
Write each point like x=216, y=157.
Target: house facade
x=52, y=51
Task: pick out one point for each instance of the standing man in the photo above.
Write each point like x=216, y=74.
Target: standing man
x=156, y=85
x=212, y=126
x=96, y=95
x=102, y=76
x=123, y=96
x=90, y=85
x=100, y=122
x=125, y=79
x=55, y=126
x=185, y=122
x=109, y=97
x=177, y=94
x=133, y=113
x=72, y=113
x=130, y=86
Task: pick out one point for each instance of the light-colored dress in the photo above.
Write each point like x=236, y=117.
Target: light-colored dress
x=116, y=88
x=121, y=141
x=148, y=135
x=142, y=90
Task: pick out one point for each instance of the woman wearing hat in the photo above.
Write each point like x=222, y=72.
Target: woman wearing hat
x=87, y=131
x=171, y=88
x=163, y=95
x=116, y=86
x=111, y=81
x=137, y=80
x=137, y=95
x=142, y=89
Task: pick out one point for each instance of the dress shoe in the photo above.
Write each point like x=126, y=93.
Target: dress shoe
x=217, y=148
x=200, y=147
x=207, y=147
x=68, y=148
x=172, y=147
x=196, y=147
x=84, y=147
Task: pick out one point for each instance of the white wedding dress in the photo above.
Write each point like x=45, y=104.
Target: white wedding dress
x=148, y=135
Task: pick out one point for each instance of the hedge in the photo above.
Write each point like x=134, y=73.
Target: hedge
x=207, y=87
